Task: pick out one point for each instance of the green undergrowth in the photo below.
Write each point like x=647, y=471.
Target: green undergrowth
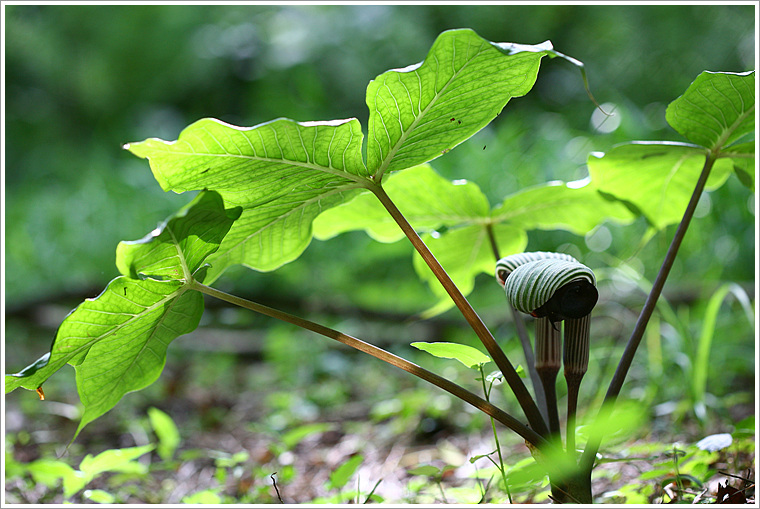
x=666, y=472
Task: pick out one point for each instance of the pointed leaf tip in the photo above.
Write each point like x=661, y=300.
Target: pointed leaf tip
x=463, y=77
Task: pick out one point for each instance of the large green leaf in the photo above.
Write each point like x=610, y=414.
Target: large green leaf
x=454, y=218
x=424, y=110
x=427, y=200
x=657, y=177
x=117, y=341
x=717, y=109
x=282, y=173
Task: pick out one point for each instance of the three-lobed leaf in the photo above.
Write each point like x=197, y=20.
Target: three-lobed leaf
x=284, y=173
x=658, y=178
x=117, y=341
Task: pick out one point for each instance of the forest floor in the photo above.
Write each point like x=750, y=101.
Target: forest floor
x=257, y=427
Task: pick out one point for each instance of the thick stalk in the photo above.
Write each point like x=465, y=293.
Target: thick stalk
x=522, y=334
x=548, y=360
x=458, y=391
x=589, y=454
x=526, y=402
x=576, y=352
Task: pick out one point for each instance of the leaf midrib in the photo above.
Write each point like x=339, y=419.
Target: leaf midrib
x=298, y=164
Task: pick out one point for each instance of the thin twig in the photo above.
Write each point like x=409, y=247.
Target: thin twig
x=274, y=483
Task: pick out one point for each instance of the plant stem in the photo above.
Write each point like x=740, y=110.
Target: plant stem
x=510, y=375
x=522, y=334
x=548, y=361
x=575, y=359
x=530, y=361
x=458, y=391
x=589, y=454
x=487, y=393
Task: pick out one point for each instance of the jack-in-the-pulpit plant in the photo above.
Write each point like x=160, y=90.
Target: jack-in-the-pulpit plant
x=266, y=190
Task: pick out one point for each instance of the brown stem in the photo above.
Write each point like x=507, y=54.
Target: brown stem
x=589, y=454
x=526, y=402
x=522, y=334
x=458, y=391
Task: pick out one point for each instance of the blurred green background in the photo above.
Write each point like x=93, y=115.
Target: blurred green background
x=80, y=81
x=83, y=80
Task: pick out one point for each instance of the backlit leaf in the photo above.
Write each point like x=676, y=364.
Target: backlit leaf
x=467, y=355
x=464, y=253
x=657, y=177
x=117, y=341
x=178, y=247
x=427, y=200
x=282, y=173
x=577, y=207
x=717, y=109
x=424, y=110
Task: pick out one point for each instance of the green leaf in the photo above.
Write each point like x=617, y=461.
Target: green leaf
x=577, y=207
x=426, y=470
x=209, y=496
x=282, y=173
x=117, y=341
x=717, y=109
x=340, y=476
x=166, y=431
x=132, y=320
x=48, y=471
x=296, y=435
x=115, y=460
x=467, y=355
x=464, y=253
x=177, y=248
x=615, y=422
x=99, y=496
x=743, y=157
x=657, y=177
x=424, y=110
x=427, y=200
